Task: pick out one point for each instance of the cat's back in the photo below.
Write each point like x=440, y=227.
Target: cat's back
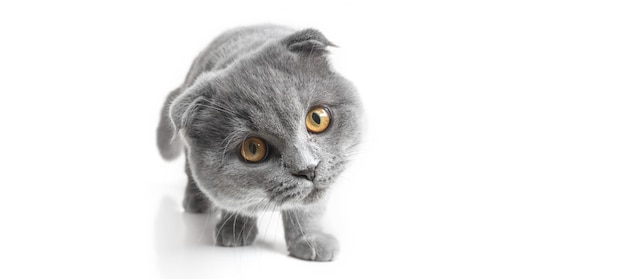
x=230, y=45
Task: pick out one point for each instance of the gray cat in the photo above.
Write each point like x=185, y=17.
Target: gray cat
x=266, y=124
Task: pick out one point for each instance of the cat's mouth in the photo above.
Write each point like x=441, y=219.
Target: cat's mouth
x=295, y=194
x=315, y=195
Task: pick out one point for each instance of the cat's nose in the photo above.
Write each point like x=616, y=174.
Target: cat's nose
x=308, y=172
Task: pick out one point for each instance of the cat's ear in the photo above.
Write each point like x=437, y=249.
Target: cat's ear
x=183, y=107
x=307, y=41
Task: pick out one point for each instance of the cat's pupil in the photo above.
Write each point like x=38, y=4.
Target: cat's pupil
x=316, y=118
x=252, y=148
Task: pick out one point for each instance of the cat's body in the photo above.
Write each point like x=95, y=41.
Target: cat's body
x=265, y=124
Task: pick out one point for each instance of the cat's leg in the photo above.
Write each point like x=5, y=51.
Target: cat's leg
x=305, y=239
x=194, y=201
x=235, y=230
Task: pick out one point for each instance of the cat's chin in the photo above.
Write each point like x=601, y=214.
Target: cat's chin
x=313, y=196
x=304, y=197
x=297, y=194
x=317, y=194
x=252, y=210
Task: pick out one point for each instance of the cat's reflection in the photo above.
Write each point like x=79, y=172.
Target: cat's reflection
x=176, y=229
x=184, y=242
x=181, y=239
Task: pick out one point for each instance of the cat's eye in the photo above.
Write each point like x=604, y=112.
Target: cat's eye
x=253, y=150
x=318, y=119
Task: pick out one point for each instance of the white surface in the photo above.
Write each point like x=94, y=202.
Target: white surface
x=495, y=148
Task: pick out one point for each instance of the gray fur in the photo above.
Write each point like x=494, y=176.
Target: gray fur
x=169, y=144
x=261, y=81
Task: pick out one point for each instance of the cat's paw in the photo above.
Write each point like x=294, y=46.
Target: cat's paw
x=195, y=204
x=239, y=234
x=314, y=247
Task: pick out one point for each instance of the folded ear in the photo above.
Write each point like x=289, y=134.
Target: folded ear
x=183, y=107
x=307, y=40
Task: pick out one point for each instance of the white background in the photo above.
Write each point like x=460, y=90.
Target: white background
x=495, y=148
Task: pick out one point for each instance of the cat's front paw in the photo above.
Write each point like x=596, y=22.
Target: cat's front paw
x=195, y=204
x=314, y=247
x=194, y=200
x=236, y=233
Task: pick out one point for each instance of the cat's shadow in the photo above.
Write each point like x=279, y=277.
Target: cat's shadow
x=182, y=235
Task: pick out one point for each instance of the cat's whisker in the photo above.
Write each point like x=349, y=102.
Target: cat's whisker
x=223, y=222
x=295, y=217
x=234, y=223
x=256, y=209
x=243, y=229
x=215, y=107
x=276, y=226
x=206, y=222
x=234, y=135
x=271, y=217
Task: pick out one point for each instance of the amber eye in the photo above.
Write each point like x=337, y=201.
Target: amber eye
x=317, y=120
x=253, y=150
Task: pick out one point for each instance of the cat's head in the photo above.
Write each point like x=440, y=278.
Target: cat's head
x=272, y=130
